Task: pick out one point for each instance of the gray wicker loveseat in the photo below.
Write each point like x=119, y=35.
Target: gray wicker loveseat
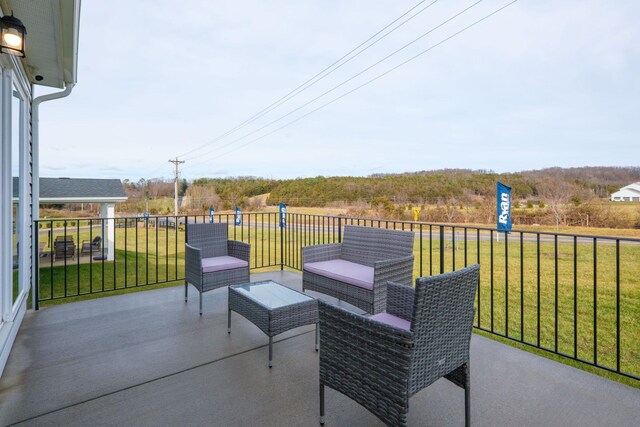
x=358, y=269
x=212, y=261
x=382, y=360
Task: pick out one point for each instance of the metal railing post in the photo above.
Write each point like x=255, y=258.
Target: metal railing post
x=36, y=271
x=281, y=247
x=442, y=249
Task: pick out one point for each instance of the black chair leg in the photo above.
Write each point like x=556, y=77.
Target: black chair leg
x=321, y=404
x=186, y=291
x=467, y=397
x=200, y=303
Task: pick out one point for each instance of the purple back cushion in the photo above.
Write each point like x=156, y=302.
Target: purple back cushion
x=392, y=320
x=344, y=271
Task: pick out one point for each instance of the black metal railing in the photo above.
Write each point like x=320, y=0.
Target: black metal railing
x=132, y=251
x=573, y=295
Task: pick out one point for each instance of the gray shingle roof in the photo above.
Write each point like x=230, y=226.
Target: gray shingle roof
x=77, y=188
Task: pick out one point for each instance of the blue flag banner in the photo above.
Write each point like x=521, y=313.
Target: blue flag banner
x=283, y=215
x=503, y=201
x=238, y=216
x=211, y=211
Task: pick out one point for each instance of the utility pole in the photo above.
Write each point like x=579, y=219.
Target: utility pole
x=175, y=204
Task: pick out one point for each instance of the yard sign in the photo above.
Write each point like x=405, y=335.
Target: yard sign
x=503, y=202
x=283, y=215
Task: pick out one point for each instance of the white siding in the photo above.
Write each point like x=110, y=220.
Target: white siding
x=13, y=306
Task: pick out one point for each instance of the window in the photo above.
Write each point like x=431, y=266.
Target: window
x=17, y=162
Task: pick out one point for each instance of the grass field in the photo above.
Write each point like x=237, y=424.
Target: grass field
x=566, y=296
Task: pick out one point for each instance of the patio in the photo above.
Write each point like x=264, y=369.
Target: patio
x=149, y=359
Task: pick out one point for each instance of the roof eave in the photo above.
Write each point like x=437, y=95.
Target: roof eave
x=71, y=21
x=52, y=40
x=62, y=200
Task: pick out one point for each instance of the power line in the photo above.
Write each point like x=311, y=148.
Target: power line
x=319, y=76
x=342, y=84
x=346, y=81
x=364, y=84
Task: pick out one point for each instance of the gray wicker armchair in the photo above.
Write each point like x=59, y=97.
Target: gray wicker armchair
x=382, y=360
x=357, y=270
x=212, y=261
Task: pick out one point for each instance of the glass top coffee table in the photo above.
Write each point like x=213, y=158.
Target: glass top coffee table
x=273, y=308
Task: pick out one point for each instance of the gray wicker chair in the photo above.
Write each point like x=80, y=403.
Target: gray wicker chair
x=212, y=261
x=382, y=360
x=357, y=270
x=91, y=246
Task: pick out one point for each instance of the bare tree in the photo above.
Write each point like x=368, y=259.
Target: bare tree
x=486, y=208
x=450, y=211
x=556, y=194
x=200, y=197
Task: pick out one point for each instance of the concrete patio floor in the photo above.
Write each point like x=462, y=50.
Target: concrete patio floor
x=149, y=359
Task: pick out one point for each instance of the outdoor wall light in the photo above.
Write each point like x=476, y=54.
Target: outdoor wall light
x=12, y=35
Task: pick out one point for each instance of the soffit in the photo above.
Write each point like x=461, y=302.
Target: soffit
x=52, y=39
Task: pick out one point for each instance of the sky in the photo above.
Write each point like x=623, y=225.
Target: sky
x=538, y=84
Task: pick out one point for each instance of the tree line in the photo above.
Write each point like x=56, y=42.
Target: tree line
x=446, y=195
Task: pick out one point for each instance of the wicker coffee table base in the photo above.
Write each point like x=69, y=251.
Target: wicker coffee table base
x=273, y=321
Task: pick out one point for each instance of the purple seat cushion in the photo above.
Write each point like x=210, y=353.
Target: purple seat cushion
x=344, y=271
x=392, y=320
x=219, y=263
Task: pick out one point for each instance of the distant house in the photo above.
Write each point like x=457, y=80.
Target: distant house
x=77, y=190
x=630, y=193
x=105, y=192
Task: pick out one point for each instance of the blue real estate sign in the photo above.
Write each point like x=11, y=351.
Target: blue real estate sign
x=238, y=216
x=211, y=211
x=283, y=215
x=503, y=201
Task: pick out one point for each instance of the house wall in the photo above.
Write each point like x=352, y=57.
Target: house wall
x=626, y=195
x=16, y=224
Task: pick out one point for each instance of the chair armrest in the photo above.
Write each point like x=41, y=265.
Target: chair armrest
x=193, y=264
x=400, y=300
x=398, y=270
x=239, y=250
x=317, y=253
x=352, y=347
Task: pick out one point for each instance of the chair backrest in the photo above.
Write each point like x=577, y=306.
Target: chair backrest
x=366, y=245
x=442, y=322
x=96, y=240
x=210, y=238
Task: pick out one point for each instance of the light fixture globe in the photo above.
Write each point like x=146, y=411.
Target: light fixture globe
x=12, y=35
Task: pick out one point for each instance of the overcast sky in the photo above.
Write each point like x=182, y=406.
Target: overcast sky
x=542, y=83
